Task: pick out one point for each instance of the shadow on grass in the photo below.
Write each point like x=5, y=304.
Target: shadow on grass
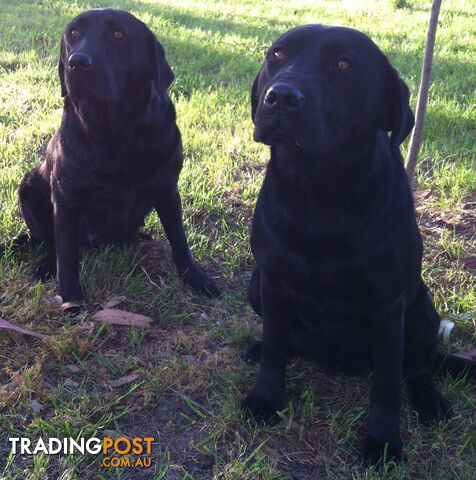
x=207, y=64
x=11, y=66
x=181, y=51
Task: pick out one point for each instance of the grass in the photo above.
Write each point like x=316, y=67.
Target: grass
x=190, y=373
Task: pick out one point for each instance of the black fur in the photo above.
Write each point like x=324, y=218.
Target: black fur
x=116, y=156
x=336, y=244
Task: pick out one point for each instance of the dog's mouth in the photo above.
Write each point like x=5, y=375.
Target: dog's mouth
x=83, y=90
x=85, y=94
x=275, y=133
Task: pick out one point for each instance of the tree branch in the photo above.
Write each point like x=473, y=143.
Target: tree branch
x=417, y=134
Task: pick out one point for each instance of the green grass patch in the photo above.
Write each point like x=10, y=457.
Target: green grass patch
x=190, y=373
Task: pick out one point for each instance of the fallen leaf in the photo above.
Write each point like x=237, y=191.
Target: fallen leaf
x=55, y=301
x=124, y=380
x=87, y=328
x=115, y=316
x=190, y=359
x=421, y=195
x=10, y=326
x=12, y=384
x=468, y=205
x=426, y=230
x=469, y=354
x=273, y=453
x=470, y=264
x=463, y=317
x=36, y=406
x=115, y=301
x=72, y=368
x=71, y=383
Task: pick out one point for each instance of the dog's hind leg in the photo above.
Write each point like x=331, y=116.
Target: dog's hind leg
x=37, y=210
x=421, y=346
x=23, y=239
x=427, y=399
x=254, y=295
x=253, y=354
x=47, y=267
x=36, y=207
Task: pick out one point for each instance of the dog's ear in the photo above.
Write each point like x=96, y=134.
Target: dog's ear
x=162, y=74
x=254, y=97
x=396, y=115
x=64, y=92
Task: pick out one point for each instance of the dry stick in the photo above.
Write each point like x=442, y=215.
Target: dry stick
x=417, y=134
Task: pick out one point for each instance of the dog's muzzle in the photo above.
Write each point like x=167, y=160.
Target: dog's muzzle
x=283, y=97
x=80, y=61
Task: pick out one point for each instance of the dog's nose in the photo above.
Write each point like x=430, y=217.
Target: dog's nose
x=80, y=61
x=283, y=96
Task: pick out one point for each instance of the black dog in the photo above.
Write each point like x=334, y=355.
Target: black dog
x=337, y=247
x=116, y=155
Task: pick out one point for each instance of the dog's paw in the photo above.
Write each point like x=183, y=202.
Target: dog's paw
x=433, y=408
x=428, y=401
x=378, y=452
x=200, y=282
x=260, y=408
x=253, y=354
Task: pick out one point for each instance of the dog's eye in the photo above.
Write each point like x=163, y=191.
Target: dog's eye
x=342, y=65
x=279, y=53
x=118, y=34
x=75, y=33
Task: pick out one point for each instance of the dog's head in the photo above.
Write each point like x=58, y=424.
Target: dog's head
x=320, y=88
x=108, y=55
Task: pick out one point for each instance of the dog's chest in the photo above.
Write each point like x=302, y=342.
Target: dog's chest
x=342, y=264
x=116, y=193
x=333, y=297
x=113, y=214
x=340, y=342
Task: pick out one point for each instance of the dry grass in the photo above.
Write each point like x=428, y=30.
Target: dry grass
x=190, y=373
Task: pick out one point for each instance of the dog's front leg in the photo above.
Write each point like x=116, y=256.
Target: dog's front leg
x=267, y=396
x=66, y=222
x=169, y=209
x=382, y=441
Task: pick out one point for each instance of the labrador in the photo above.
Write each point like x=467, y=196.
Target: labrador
x=116, y=156
x=334, y=236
